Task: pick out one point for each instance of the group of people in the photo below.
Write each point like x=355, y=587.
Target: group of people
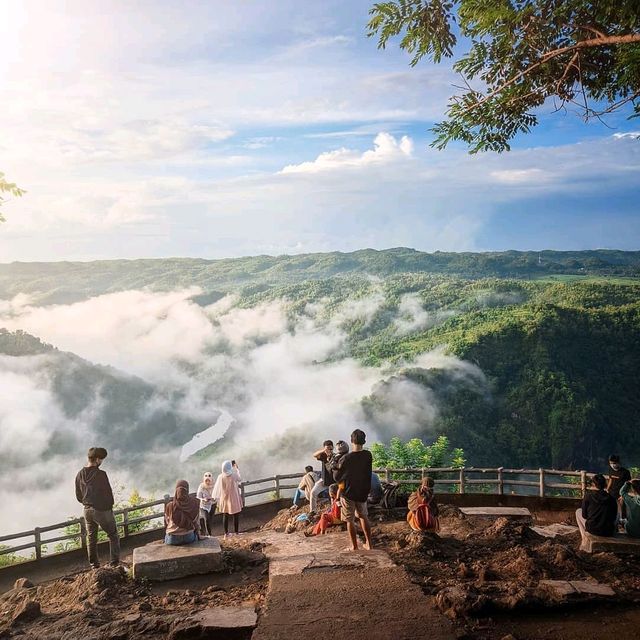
x=612, y=503
x=347, y=475
x=187, y=518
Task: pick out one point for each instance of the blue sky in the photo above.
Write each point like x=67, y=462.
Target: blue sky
x=217, y=129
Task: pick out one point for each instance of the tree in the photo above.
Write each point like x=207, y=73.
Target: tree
x=521, y=53
x=8, y=187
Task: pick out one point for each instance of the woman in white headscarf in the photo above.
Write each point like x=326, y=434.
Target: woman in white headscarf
x=226, y=493
x=207, y=504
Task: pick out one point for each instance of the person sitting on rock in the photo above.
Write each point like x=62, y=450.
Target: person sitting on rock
x=182, y=516
x=331, y=516
x=226, y=493
x=207, y=504
x=305, y=487
x=599, y=509
x=423, y=510
x=630, y=494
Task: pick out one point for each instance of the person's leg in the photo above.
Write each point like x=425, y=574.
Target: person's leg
x=92, y=537
x=225, y=523
x=348, y=514
x=366, y=527
x=297, y=495
x=210, y=515
x=204, y=521
x=236, y=522
x=318, y=488
x=107, y=521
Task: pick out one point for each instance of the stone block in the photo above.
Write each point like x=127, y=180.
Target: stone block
x=592, y=588
x=559, y=588
x=158, y=561
x=223, y=623
x=553, y=530
x=618, y=543
x=516, y=513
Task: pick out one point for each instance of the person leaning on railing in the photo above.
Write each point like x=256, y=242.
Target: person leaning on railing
x=94, y=492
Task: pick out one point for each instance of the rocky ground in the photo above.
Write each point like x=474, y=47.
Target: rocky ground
x=105, y=604
x=488, y=576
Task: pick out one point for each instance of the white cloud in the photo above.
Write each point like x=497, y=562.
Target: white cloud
x=522, y=176
x=386, y=149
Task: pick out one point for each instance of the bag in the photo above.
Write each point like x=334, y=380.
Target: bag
x=389, y=495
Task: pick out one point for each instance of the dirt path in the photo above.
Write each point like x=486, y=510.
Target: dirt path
x=314, y=587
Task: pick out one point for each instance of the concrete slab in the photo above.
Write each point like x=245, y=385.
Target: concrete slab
x=214, y=618
x=496, y=512
x=559, y=588
x=553, y=530
x=158, y=561
x=618, y=543
x=592, y=588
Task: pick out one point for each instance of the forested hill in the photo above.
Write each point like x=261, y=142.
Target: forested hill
x=61, y=282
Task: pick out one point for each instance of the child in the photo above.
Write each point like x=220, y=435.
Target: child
x=207, y=505
x=423, y=510
x=331, y=516
x=226, y=493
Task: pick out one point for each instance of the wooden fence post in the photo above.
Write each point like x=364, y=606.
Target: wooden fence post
x=542, y=483
x=461, y=490
x=387, y=476
x=583, y=482
x=242, y=493
x=500, y=482
x=277, y=482
x=125, y=523
x=38, y=540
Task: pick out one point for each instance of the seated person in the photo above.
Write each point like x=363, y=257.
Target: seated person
x=599, y=509
x=375, y=495
x=423, y=510
x=630, y=494
x=182, y=516
x=305, y=487
x=331, y=516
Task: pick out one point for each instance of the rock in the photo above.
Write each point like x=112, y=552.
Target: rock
x=592, y=588
x=165, y=562
x=29, y=610
x=225, y=623
x=23, y=583
x=144, y=606
x=132, y=618
x=557, y=588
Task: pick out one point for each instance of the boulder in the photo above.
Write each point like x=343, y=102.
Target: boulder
x=158, y=561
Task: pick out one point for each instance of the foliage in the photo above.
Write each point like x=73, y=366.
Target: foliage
x=416, y=454
x=580, y=54
x=10, y=188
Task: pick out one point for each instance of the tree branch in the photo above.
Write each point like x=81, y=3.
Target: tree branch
x=583, y=44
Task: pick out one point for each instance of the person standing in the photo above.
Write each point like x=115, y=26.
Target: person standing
x=618, y=475
x=354, y=469
x=207, y=505
x=94, y=492
x=226, y=493
x=324, y=455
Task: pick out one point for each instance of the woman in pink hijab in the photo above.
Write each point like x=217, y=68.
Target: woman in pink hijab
x=226, y=493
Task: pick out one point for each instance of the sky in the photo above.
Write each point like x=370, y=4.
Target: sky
x=221, y=129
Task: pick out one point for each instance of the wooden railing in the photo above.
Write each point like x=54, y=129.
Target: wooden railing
x=506, y=481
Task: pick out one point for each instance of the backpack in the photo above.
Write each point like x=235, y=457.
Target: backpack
x=389, y=498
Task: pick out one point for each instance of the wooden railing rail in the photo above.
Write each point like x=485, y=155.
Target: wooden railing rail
x=464, y=479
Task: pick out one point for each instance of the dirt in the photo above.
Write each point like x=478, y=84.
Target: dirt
x=483, y=575
x=106, y=604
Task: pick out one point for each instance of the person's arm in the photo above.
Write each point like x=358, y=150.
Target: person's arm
x=78, y=489
x=585, y=508
x=303, y=483
x=609, y=483
x=320, y=455
x=108, y=490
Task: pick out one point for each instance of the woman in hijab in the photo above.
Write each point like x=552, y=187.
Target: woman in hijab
x=226, y=493
x=207, y=505
x=423, y=510
x=182, y=516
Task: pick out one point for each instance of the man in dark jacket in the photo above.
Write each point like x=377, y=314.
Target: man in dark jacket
x=599, y=508
x=94, y=492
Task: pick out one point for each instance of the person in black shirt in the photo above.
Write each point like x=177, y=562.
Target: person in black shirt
x=94, y=492
x=618, y=475
x=354, y=470
x=599, y=509
x=325, y=456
